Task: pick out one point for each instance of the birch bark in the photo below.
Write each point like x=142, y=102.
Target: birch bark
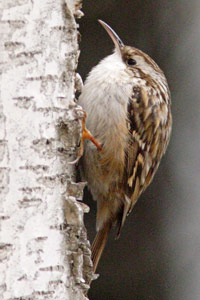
x=44, y=252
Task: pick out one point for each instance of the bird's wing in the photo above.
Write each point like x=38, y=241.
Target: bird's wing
x=148, y=138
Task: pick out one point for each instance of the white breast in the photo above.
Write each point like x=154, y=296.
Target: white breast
x=104, y=98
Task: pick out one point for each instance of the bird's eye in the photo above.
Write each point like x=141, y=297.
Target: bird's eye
x=131, y=62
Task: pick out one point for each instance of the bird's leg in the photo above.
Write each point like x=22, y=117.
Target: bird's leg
x=86, y=135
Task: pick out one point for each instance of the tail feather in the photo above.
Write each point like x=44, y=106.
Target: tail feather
x=99, y=243
x=122, y=215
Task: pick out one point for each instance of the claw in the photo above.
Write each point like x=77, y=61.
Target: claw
x=86, y=135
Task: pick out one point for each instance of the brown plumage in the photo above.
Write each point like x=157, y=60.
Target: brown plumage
x=127, y=101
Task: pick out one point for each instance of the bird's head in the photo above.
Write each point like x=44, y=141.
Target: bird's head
x=132, y=57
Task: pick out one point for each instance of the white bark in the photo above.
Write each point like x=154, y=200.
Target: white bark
x=44, y=251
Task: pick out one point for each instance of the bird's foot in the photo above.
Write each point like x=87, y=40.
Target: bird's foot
x=86, y=135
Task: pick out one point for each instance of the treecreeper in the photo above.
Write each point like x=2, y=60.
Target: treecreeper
x=128, y=106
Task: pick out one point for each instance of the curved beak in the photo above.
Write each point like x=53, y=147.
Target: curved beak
x=119, y=45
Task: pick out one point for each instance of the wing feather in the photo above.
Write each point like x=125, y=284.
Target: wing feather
x=147, y=142
x=149, y=124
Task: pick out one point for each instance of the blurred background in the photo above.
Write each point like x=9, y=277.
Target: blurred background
x=158, y=254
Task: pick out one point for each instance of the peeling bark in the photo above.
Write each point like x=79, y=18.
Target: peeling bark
x=44, y=251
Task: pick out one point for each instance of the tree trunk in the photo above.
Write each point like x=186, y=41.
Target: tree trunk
x=44, y=251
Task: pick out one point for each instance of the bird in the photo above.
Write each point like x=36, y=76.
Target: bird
x=128, y=105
